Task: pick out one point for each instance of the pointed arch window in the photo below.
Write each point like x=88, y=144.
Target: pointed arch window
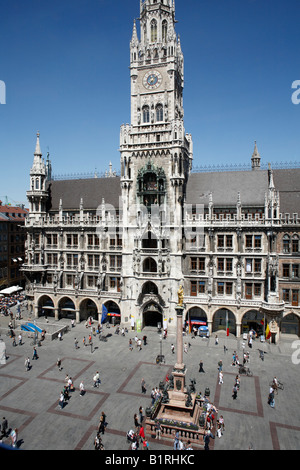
x=164, y=31
x=153, y=31
x=146, y=114
x=295, y=244
x=159, y=113
x=286, y=244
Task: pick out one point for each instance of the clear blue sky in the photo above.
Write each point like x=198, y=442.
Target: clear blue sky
x=65, y=66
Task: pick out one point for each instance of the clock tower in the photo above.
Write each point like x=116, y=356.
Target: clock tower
x=156, y=159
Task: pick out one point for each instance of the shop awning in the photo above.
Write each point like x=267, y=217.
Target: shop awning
x=11, y=290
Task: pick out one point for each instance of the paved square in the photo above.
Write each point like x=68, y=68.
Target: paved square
x=29, y=400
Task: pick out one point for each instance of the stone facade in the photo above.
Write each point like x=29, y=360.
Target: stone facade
x=128, y=242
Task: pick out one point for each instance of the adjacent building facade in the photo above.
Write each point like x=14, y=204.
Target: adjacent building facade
x=12, y=245
x=127, y=242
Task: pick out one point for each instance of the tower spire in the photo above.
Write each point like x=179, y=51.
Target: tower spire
x=38, y=147
x=255, y=159
x=134, y=39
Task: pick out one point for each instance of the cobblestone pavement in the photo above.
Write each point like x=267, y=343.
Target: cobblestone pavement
x=29, y=399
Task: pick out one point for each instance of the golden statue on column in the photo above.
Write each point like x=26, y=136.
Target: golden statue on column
x=180, y=296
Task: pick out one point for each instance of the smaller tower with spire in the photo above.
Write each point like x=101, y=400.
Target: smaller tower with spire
x=37, y=194
x=255, y=159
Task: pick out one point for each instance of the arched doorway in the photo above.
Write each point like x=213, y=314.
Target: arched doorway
x=290, y=325
x=224, y=319
x=114, y=313
x=152, y=315
x=88, y=308
x=253, y=320
x=197, y=317
x=46, y=306
x=67, y=308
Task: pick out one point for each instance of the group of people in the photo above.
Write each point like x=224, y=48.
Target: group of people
x=7, y=432
x=179, y=443
x=7, y=302
x=138, y=343
x=137, y=437
x=69, y=387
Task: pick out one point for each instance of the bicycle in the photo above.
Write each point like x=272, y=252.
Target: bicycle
x=277, y=386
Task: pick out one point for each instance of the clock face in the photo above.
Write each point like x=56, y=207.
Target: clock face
x=152, y=80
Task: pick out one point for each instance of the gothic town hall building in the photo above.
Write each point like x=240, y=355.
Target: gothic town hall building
x=127, y=242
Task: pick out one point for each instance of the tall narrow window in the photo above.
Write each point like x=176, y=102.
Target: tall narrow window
x=146, y=114
x=159, y=113
x=286, y=244
x=164, y=30
x=153, y=31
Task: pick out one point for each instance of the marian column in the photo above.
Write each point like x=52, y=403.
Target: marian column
x=179, y=370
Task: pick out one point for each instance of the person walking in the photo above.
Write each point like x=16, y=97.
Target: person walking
x=141, y=414
x=142, y=433
x=70, y=384
x=76, y=343
x=176, y=441
x=14, y=437
x=172, y=348
x=20, y=340
x=96, y=380
x=82, y=389
x=219, y=429
x=271, y=399
x=152, y=396
x=220, y=377
x=102, y=423
x=222, y=423
x=136, y=422
x=143, y=383
x=27, y=364
x=145, y=444
x=201, y=367
x=130, y=345
x=4, y=427
x=207, y=437
x=157, y=430
x=58, y=363
x=97, y=441
x=35, y=354
x=61, y=401
x=234, y=392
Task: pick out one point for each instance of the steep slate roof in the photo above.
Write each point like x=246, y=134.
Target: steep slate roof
x=287, y=182
x=225, y=186
x=90, y=190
